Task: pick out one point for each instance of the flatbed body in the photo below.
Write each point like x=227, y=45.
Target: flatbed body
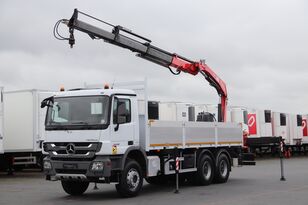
x=170, y=134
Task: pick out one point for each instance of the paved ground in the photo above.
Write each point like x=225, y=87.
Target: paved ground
x=247, y=185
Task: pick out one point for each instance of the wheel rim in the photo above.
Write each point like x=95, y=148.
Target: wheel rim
x=207, y=170
x=132, y=179
x=223, y=168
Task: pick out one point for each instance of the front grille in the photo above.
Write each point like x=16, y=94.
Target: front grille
x=70, y=151
x=77, y=152
x=71, y=159
x=79, y=144
x=71, y=171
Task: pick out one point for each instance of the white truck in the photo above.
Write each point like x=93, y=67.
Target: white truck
x=23, y=127
x=104, y=136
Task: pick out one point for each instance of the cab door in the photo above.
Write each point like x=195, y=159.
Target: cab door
x=122, y=124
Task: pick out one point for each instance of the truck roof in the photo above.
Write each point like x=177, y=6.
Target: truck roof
x=98, y=91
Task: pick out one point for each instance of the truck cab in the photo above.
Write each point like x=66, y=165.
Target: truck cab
x=88, y=131
x=106, y=116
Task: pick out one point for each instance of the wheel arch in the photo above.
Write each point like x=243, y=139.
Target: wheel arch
x=138, y=154
x=205, y=151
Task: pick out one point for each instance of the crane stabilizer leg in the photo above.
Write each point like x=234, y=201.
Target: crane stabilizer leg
x=142, y=46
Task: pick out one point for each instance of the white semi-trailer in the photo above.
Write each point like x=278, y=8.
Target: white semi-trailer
x=1, y=122
x=23, y=127
x=265, y=127
x=175, y=111
x=260, y=124
x=239, y=115
x=295, y=130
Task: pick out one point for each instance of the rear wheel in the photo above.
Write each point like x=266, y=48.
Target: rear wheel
x=205, y=171
x=74, y=188
x=222, y=169
x=131, y=179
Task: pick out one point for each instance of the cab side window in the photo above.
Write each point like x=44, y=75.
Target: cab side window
x=121, y=111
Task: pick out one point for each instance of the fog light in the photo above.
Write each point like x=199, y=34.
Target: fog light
x=97, y=166
x=47, y=165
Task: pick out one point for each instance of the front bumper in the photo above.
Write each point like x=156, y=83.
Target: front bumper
x=77, y=170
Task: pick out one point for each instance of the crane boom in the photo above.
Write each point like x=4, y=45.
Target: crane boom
x=125, y=38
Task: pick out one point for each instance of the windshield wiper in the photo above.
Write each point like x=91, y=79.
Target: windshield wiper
x=80, y=123
x=55, y=123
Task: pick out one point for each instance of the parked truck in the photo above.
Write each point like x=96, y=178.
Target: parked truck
x=23, y=127
x=266, y=126
x=104, y=135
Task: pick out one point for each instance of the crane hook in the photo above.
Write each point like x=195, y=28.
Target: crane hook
x=71, y=40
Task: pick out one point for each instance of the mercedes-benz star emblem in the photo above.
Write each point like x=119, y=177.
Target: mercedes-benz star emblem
x=70, y=149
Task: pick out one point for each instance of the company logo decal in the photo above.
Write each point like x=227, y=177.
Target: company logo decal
x=252, y=124
x=304, y=127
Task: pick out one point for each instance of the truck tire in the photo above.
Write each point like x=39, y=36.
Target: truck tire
x=222, y=169
x=74, y=188
x=131, y=180
x=205, y=171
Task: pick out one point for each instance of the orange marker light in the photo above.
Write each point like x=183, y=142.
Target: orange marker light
x=106, y=86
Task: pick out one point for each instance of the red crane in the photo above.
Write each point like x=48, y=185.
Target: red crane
x=125, y=38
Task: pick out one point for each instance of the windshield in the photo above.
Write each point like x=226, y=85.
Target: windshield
x=74, y=112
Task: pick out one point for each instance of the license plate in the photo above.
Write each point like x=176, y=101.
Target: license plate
x=70, y=166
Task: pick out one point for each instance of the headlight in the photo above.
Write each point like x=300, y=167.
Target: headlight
x=97, y=166
x=47, y=165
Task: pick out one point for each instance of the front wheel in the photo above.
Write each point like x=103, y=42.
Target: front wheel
x=131, y=180
x=74, y=188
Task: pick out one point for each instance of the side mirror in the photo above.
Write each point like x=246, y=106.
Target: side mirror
x=47, y=102
x=43, y=104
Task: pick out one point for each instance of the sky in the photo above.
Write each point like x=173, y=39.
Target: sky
x=259, y=48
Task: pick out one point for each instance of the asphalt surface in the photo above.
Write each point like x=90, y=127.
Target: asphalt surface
x=247, y=185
